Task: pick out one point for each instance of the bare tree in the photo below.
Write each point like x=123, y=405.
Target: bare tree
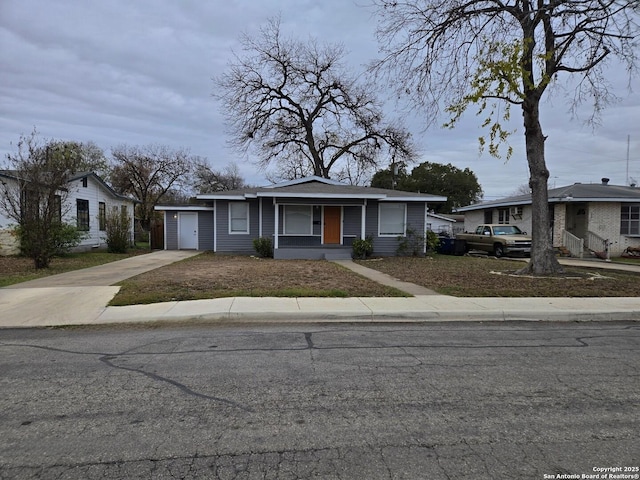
x=502, y=53
x=33, y=194
x=296, y=106
x=208, y=180
x=148, y=173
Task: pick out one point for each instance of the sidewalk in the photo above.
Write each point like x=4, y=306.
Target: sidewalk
x=80, y=298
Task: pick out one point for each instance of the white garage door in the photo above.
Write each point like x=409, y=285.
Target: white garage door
x=188, y=228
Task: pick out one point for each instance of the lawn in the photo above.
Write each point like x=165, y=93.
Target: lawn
x=214, y=276
x=20, y=269
x=482, y=276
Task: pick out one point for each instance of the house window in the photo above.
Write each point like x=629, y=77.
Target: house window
x=630, y=220
x=102, y=216
x=123, y=211
x=82, y=214
x=503, y=216
x=392, y=219
x=298, y=220
x=488, y=216
x=238, y=217
x=57, y=208
x=84, y=182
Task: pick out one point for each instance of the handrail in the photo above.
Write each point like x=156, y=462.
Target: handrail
x=598, y=245
x=574, y=244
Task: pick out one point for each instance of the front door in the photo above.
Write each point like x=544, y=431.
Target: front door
x=332, y=224
x=188, y=231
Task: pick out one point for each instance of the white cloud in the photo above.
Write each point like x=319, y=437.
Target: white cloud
x=140, y=72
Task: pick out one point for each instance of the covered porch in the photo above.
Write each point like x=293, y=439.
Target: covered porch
x=304, y=230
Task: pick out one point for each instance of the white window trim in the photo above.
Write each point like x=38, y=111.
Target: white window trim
x=284, y=221
x=404, y=222
x=239, y=232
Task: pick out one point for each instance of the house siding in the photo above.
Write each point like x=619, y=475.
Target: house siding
x=205, y=230
x=237, y=243
x=388, y=246
x=170, y=231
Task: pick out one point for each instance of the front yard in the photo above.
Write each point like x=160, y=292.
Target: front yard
x=213, y=276
x=469, y=276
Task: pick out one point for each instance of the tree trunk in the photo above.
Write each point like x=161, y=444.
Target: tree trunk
x=543, y=259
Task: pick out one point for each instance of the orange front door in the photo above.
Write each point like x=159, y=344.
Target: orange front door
x=332, y=224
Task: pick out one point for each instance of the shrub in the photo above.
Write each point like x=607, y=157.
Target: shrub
x=412, y=244
x=263, y=247
x=433, y=242
x=117, y=228
x=41, y=244
x=362, y=248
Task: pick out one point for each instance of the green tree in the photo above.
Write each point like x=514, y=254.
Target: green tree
x=461, y=187
x=503, y=53
x=34, y=195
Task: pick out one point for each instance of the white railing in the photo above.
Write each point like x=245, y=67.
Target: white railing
x=598, y=245
x=574, y=244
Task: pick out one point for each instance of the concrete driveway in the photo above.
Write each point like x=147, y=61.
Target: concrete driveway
x=78, y=296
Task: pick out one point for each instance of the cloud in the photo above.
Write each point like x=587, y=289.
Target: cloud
x=140, y=73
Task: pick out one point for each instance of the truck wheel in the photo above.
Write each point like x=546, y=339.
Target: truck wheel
x=498, y=250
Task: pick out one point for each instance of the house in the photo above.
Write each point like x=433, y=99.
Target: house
x=596, y=217
x=310, y=218
x=440, y=224
x=88, y=199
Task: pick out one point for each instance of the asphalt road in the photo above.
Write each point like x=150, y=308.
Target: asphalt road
x=436, y=401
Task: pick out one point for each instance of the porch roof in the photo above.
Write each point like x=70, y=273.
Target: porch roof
x=315, y=187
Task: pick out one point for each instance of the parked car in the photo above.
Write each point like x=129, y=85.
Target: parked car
x=499, y=240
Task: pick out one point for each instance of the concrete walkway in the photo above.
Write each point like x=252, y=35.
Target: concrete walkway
x=80, y=298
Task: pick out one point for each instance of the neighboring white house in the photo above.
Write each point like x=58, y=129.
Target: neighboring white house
x=87, y=202
x=584, y=217
x=440, y=224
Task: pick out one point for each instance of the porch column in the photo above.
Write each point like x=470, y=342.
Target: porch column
x=276, y=223
x=426, y=222
x=215, y=226
x=363, y=219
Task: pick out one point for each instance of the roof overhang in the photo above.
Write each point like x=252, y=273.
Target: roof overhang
x=183, y=208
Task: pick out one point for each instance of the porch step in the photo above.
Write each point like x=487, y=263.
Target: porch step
x=338, y=255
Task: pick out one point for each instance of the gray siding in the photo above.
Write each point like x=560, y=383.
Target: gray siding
x=351, y=221
x=205, y=230
x=171, y=231
x=236, y=243
x=387, y=246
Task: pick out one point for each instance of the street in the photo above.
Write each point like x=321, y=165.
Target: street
x=380, y=401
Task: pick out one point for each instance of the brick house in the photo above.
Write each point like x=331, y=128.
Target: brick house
x=585, y=217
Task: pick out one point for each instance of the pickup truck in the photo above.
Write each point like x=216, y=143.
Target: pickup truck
x=499, y=240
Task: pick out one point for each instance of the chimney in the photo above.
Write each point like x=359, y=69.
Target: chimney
x=605, y=181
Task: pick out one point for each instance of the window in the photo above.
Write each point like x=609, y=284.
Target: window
x=392, y=219
x=238, y=217
x=630, y=220
x=503, y=215
x=82, y=214
x=84, y=182
x=123, y=211
x=298, y=220
x=488, y=216
x=57, y=207
x=102, y=216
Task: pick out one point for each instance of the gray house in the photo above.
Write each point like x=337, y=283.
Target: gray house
x=311, y=218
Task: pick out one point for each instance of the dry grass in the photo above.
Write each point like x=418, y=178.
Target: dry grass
x=215, y=276
x=481, y=276
x=21, y=269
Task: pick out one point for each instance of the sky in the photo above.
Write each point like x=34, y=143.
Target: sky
x=140, y=72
